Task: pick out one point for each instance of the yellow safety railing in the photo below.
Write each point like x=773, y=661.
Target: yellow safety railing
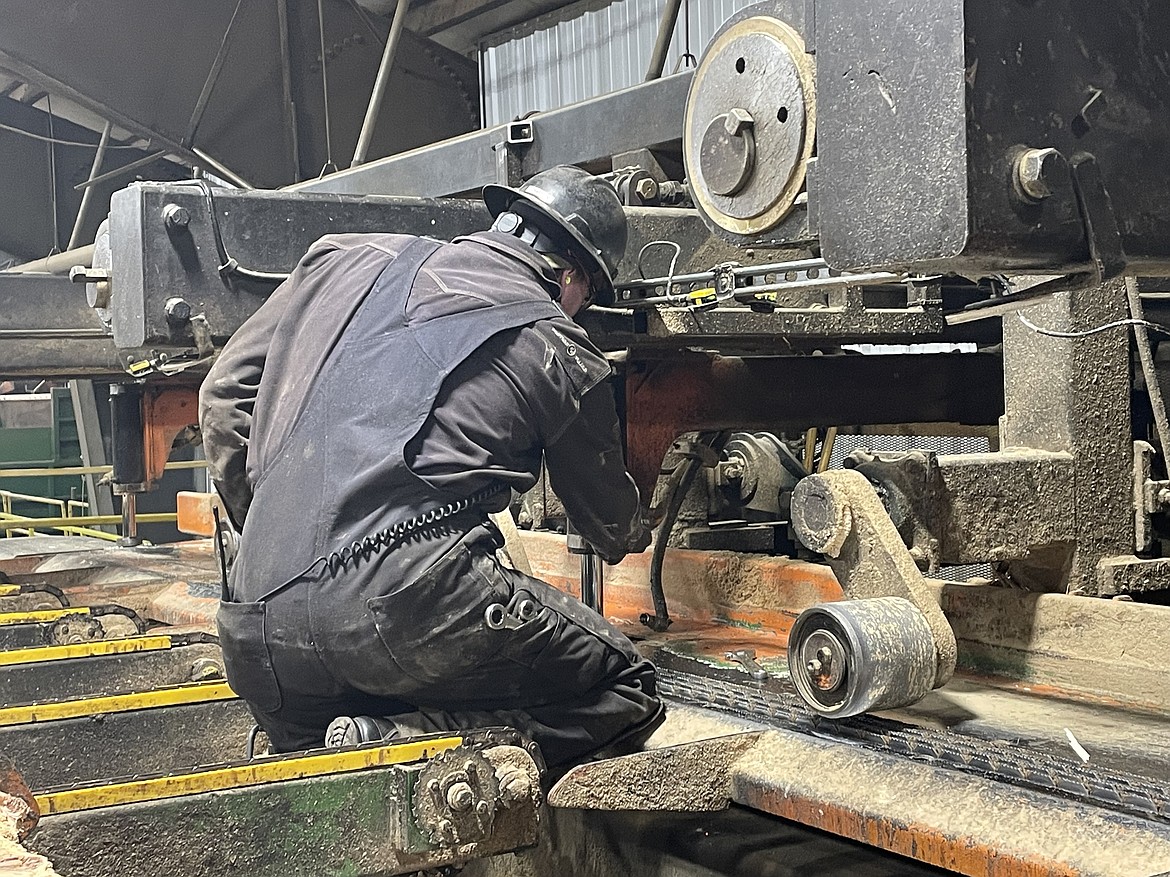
x=68, y=520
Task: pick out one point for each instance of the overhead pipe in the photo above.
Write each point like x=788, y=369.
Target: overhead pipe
x=381, y=81
x=662, y=43
x=87, y=195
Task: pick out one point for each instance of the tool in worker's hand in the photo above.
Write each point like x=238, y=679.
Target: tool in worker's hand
x=747, y=658
x=500, y=617
x=592, y=575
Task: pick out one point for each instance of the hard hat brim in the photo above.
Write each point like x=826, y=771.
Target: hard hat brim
x=500, y=199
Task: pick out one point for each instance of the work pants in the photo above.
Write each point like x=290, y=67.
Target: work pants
x=424, y=656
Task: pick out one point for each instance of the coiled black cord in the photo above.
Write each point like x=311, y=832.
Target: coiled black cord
x=364, y=548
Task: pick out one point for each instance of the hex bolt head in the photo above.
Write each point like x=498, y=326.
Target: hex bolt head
x=738, y=120
x=177, y=311
x=646, y=189
x=1039, y=171
x=460, y=798
x=175, y=217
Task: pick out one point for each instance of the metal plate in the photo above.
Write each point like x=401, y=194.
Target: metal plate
x=755, y=71
x=758, y=64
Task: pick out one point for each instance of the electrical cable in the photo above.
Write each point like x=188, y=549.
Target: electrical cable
x=1054, y=333
x=229, y=268
x=59, y=142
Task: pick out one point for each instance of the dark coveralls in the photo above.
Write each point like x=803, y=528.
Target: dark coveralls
x=391, y=376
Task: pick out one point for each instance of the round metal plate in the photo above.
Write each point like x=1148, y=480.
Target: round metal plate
x=759, y=65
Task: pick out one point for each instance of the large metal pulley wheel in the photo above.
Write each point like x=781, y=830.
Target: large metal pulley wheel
x=855, y=656
x=751, y=121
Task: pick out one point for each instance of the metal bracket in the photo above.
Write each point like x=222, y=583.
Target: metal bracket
x=1101, y=230
x=839, y=514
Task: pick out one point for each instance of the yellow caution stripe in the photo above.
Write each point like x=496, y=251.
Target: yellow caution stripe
x=255, y=773
x=9, y=590
x=174, y=695
x=40, y=616
x=36, y=654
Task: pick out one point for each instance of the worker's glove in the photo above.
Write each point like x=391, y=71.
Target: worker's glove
x=640, y=539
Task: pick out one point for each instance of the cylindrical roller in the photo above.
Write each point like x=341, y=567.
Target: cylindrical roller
x=859, y=655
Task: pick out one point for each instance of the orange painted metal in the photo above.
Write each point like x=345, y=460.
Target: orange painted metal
x=167, y=411
x=196, y=512
x=924, y=843
x=758, y=596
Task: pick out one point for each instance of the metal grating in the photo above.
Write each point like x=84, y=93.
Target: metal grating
x=583, y=51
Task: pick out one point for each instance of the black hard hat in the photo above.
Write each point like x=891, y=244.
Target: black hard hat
x=579, y=213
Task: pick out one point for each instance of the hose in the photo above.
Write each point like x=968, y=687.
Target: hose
x=686, y=472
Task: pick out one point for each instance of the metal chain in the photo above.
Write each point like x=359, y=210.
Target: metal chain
x=996, y=760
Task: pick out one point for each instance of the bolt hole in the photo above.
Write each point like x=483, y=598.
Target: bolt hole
x=782, y=115
x=740, y=65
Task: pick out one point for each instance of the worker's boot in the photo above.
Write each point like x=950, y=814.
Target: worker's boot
x=352, y=730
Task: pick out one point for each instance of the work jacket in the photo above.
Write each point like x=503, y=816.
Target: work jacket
x=393, y=376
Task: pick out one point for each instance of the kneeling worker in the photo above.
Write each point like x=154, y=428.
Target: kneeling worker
x=361, y=426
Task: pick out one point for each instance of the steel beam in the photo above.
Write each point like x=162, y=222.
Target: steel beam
x=46, y=329
x=354, y=812
x=122, y=743
x=665, y=398
x=107, y=666
x=153, y=264
x=642, y=116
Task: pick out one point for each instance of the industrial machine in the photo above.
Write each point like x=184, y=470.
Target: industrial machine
x=834, y=186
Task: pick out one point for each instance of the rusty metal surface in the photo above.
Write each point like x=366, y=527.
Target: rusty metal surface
x=640, y=781
x=17, y=798
x=699, y=392
x=966, y=824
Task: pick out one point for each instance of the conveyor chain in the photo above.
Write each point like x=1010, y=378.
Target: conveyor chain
x=1121, y=792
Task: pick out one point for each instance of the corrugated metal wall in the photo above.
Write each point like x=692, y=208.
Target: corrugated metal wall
x=583, y=51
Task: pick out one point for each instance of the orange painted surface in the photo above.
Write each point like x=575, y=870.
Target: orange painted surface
x=916, y=841
x=719, y=601
x=195, y=512
x=166, y=412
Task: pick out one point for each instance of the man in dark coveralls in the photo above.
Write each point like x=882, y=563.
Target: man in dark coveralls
x=361, y=426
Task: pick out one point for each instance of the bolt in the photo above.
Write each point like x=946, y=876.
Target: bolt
x=175, y=217
x=825, y=654
x=738, y=120
x=646, y=189
x=1038, y=171
x=177, y=311
x=515, y=785
x=814, y=666
x=460, y=798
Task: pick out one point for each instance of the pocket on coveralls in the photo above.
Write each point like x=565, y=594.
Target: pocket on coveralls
x=434, y=627
x=246, y=658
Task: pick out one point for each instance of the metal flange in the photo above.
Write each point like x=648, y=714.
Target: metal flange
x=750, y=122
